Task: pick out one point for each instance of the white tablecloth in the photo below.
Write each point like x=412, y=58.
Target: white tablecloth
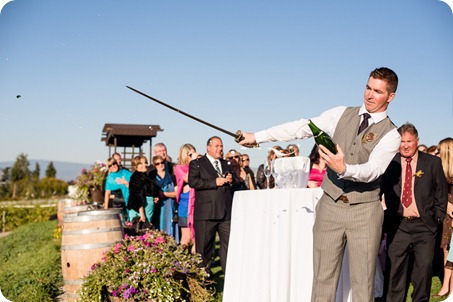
x=270, y=254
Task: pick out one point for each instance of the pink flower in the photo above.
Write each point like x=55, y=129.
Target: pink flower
x=130, y=248
x=117, y=248
x=160, y=240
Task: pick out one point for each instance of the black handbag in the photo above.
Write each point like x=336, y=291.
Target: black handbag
x=139, y=225
x=175, y=217
x=118, y=200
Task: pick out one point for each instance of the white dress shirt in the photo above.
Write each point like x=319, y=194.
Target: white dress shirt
x=379, y=158
x=212, y=160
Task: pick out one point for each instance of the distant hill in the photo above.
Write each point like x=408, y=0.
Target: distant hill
x=65, y=170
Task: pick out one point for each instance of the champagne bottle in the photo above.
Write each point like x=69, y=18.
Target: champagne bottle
x=322, y=138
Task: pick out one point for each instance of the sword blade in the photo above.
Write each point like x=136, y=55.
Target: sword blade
x=184, y=113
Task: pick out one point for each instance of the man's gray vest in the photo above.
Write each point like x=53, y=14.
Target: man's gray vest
x=357, y=149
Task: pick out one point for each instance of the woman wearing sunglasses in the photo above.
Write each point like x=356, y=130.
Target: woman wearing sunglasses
x=117, y=181
x=165, y=208
x=235, y=160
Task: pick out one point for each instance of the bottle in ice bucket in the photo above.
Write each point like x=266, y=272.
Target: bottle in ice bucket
x=322, y=138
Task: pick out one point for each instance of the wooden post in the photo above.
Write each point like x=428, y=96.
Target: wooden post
x=4, y=221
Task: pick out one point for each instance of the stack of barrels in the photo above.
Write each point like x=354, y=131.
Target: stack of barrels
x=87, y=234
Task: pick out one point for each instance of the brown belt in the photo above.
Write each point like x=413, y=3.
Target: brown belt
x=344, y=198
x=410, y=218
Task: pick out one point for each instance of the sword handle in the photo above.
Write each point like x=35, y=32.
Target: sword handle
x=239, y=137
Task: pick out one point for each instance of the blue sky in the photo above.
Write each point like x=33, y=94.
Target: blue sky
x=242, y=65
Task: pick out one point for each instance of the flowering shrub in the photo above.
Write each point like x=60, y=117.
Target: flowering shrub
x=90, y=179
x=148, y=267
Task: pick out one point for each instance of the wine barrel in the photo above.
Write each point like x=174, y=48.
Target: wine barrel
x=97, y=212
x=62, y=204
x=75, y=209
x=84, y=240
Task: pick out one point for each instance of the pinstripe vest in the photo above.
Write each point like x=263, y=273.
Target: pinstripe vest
x=357, y=149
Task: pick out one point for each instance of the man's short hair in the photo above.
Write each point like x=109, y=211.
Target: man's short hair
x=388, y=75
x=160, y=145
x=408, y=127
x=211, y=138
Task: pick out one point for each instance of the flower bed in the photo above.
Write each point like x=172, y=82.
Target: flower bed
x=147, y=267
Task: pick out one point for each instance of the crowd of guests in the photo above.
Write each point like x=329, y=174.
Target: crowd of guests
x=159, y=193
x=164, y=194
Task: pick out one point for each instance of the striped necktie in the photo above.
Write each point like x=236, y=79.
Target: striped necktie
x=216, y=166
x=364, y=123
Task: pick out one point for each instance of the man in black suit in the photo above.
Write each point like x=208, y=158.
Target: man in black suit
x=415, y=194
x=213, y=181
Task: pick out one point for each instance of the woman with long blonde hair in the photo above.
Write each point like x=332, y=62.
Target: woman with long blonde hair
x=185, y=195
x=445, y=149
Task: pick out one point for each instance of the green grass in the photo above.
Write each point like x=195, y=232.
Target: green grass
x=435, y=287
x=30, y=263
x=219, y=276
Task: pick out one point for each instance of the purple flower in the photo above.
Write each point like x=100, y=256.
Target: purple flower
x=127, y=271
x=114, y=293
x=129, y=292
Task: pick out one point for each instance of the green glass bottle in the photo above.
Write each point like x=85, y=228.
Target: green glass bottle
x=322, y=138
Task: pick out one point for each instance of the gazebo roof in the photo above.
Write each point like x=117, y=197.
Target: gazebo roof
x=127, y=135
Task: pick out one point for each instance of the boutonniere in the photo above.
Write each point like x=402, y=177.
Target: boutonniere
x=419, y=173
x=368, y=138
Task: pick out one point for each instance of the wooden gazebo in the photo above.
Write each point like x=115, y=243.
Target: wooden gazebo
x=128, y=140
